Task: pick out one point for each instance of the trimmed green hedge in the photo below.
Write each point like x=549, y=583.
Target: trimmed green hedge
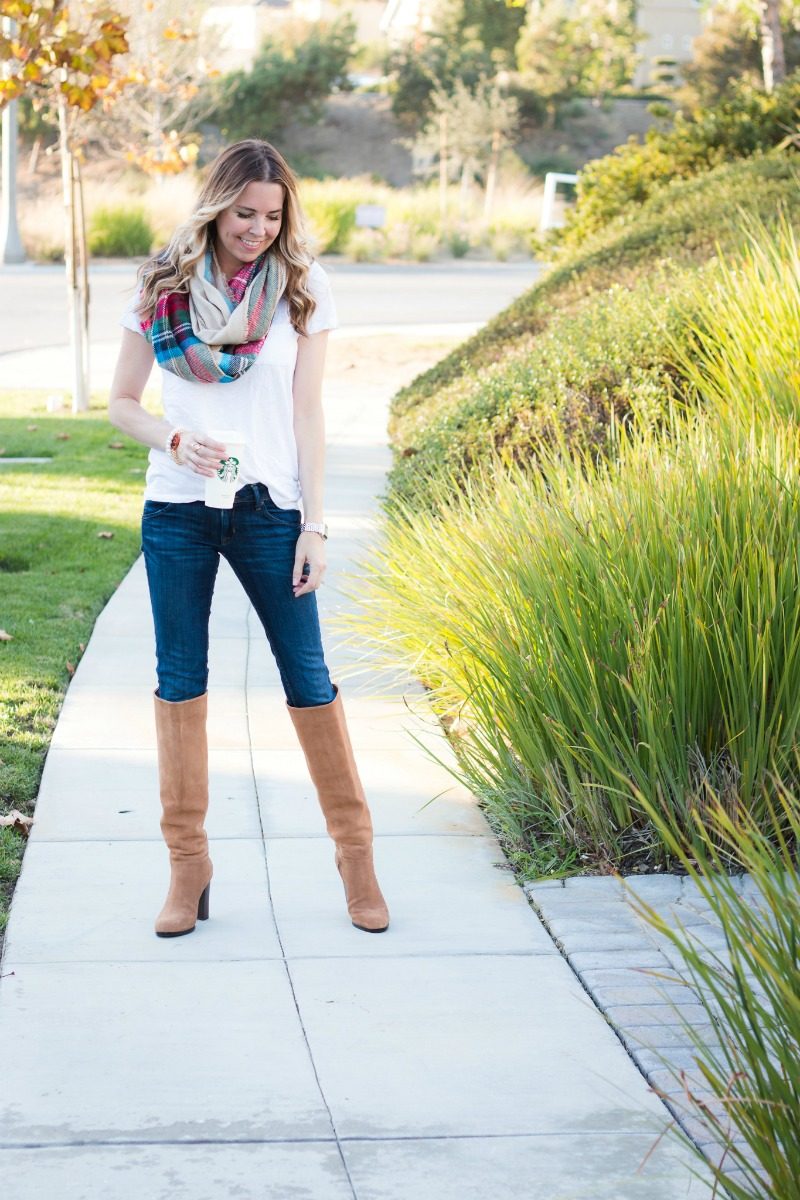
x=580, y=344
x=603, y=358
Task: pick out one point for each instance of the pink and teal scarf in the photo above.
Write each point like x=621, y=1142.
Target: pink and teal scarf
x=213, y=333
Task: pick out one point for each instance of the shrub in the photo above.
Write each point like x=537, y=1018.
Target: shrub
x=502, y=242
x=746, y=121
x=366, y=245
x=677, y=230
x=424, y=246
x=123, y=232
x=332, y=217
x=459, y=244
x=290, y=78
x=620, y=629
x=610, y=356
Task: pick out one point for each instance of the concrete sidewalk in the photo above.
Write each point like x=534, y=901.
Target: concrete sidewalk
x=277, y=1051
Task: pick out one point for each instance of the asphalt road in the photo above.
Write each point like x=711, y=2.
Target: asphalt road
x=33, y=298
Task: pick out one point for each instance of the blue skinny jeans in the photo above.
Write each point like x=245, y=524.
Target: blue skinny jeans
x=182, y=543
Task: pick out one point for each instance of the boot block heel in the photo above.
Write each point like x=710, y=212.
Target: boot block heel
x=202, y=904
x=365, y=903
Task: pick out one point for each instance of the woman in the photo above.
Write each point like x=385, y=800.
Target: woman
x=235, y=312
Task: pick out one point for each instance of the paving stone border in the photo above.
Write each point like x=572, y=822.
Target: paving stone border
x=614, y=953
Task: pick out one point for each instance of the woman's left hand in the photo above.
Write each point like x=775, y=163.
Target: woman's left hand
x=311, y=550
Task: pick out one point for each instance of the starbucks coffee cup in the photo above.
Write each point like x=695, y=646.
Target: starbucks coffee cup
x=221, y=489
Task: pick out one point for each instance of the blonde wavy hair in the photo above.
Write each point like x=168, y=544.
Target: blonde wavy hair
x=249, y=161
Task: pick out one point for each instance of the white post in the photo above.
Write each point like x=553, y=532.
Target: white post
x=11, y=247
x=551, y=180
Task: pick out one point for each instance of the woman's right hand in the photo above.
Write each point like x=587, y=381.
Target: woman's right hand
x=200, y=453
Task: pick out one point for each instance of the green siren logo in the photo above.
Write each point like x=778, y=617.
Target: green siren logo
x=228, y=470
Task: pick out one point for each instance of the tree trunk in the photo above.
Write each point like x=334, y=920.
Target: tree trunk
x=83, y=269
x=33, y=159
x=466, y=183
x=772, y=56
x=75, y=304
x=491, y=176
x=443, y=173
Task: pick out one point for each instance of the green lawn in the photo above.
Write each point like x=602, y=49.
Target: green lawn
x=56, y=574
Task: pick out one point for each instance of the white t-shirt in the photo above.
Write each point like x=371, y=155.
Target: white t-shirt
x=259, y=404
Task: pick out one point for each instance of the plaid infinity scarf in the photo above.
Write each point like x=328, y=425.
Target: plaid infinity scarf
x=214, y=332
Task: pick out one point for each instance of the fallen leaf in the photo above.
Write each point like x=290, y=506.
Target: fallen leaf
x=116, y=445
x=5, y=637
x=17, y=820
x=105, y=533
x=81, y=646
x=62, y=437
x=32, y=428
x=70, y=668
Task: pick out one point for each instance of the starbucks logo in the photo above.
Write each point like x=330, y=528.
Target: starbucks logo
x=228, y=470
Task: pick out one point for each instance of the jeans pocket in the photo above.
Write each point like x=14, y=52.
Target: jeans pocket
x=290, y=517
x=152, y=508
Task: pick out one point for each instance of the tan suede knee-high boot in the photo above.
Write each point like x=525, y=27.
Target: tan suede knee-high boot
x=323, y=735
x=183, y=778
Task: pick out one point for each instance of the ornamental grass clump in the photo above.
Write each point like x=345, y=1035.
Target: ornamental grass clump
x=609, y=631
x=610, y=634
x=741, y=320
x=745, y=1107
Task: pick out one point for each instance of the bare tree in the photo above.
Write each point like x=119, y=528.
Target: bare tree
x=150, y=117
x=64, y=59
x=762, y=18
x=465, y=135
x=772, y=56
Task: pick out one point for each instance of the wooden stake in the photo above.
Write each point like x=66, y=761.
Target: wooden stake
x=80, y=399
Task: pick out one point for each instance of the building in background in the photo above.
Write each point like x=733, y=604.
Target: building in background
x=668, y=28
x=403, y=19
x=243, y=27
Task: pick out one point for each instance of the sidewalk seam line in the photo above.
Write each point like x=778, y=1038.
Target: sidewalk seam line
x=310, y=1141
x=276, y=927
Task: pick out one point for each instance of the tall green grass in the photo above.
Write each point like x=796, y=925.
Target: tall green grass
x=746, y=1101
x=741, y=322
x=608, y=635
